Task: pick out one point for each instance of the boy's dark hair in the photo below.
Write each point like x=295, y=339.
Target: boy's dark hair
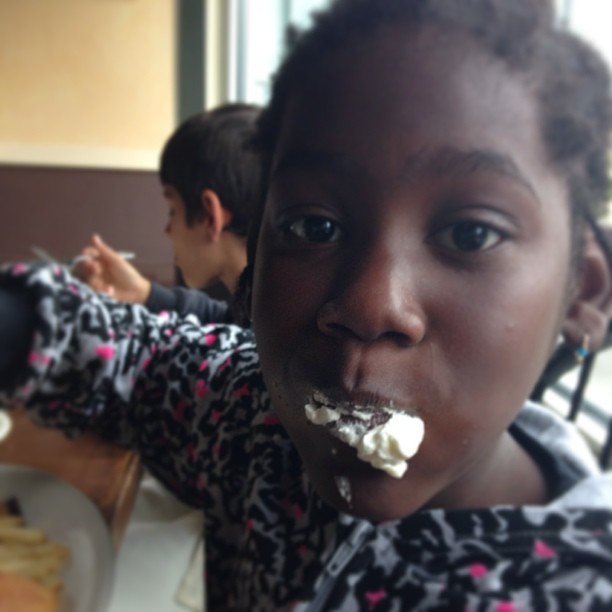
x=570, y=80
x=211, y=151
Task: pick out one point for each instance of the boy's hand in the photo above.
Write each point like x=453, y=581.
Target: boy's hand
x=107, y=272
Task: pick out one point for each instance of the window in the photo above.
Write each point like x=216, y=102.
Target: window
x=258, y=28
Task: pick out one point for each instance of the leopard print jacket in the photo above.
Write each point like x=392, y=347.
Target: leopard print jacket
x=192, y=401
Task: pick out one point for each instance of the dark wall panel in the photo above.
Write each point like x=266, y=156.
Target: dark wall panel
x=58, y=209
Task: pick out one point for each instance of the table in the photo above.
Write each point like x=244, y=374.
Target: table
x=109, y=475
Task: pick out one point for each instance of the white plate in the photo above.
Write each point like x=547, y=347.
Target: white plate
x=69, y=517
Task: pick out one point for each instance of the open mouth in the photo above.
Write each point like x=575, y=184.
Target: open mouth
x=383, y=436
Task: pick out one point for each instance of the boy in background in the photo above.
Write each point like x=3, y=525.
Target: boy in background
x=211, y=181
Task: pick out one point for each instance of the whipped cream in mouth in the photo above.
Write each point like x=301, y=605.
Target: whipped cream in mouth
x=383, y=436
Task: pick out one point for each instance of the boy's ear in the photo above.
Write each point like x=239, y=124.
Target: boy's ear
x=590, y=309
x=216, y=217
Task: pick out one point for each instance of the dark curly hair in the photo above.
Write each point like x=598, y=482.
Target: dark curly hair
x=569, y=78
x=211, y=150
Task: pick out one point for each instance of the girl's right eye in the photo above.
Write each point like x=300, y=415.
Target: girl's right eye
x=312, y=228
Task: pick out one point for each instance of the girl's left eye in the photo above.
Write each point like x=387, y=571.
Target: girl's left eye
x=314, y=229
x=467, y=236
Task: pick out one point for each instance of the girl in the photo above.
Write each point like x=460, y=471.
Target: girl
x=428, y=230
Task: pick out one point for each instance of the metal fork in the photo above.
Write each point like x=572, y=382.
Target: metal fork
x=70, y=263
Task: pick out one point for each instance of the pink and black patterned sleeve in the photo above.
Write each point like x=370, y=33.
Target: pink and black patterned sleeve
x=156, y=383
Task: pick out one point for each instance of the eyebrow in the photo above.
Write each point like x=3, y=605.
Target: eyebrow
x=446, y=160
x=449, y=160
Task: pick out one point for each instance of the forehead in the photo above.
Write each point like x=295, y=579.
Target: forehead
x=398, y=92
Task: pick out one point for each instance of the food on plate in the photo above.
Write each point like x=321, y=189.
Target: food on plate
x=384, y=436
x=30, y=564
x=19, y=594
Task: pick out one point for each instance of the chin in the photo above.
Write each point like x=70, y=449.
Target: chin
x=368, y=493
x=378, y=504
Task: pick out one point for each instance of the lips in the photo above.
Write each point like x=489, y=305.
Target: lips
x=324, y=411
x=383, y=435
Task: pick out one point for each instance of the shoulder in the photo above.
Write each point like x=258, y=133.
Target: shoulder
x=553, y=434
x=563, y=451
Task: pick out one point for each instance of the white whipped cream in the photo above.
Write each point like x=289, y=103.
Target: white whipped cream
x=387, y=446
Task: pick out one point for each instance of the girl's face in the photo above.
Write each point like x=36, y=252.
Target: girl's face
x=414, y=249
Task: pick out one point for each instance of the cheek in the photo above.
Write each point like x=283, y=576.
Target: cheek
x=280, y=312
x=492, y=377
x=531, y=320
x=180, y=236
x=288, y=286
x=285, y=301
x=271, y=313
x=176, y=243
x=171, y=228
x=487, y=349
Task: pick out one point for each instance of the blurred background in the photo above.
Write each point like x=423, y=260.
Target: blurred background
x=91, y=89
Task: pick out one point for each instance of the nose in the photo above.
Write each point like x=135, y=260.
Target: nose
x=167, y=228
x=377, y=300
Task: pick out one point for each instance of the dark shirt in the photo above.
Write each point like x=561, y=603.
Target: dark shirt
x=188, y=301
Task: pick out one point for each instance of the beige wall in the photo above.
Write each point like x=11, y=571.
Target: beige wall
x=86, y=82
x=217, y=52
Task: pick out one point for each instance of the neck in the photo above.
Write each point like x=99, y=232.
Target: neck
x=508, y=476
x=234, y=261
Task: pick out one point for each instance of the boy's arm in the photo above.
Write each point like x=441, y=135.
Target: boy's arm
x=107, y=272
x=188, y=301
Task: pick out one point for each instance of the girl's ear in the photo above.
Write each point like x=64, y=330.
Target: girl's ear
x=216, y=217
x=590, y=309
